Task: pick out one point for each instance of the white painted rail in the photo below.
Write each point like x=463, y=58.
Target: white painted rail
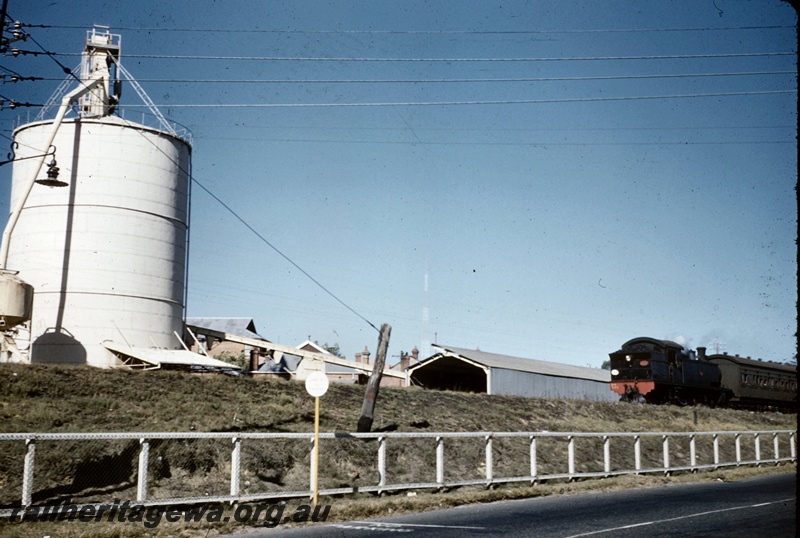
x=590, y=446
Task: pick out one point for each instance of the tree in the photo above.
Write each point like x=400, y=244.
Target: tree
x=606, y=365
x=333, y=350
x=239, y=360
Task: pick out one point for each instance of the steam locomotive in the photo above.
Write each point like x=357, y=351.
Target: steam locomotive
x=660, y=371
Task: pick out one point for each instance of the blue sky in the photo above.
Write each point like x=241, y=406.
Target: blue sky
x=570, y=174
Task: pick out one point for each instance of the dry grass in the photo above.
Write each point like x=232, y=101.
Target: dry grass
x=67, y=399
x=70, y=399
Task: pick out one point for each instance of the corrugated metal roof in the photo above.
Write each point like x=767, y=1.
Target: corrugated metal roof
x=341, y=369
x=494, y=360
x=244, y=327
x=173, y=357
x=286, y=364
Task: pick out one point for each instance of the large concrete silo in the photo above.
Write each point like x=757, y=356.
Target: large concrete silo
x=105, y=254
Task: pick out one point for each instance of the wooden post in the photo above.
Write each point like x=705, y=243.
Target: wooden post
x=316, y=451
x=368, y=408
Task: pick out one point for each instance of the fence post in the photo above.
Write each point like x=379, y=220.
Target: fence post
x=757, y=441
x=381, y=462
x=439, y=460
x=692, y=453
x=776, y=447
x=312, y=468
x=606, y=454
x=716, y=450
x=738, y=442
x=571, y=456
x=534, y=466
x=27, y=473
x=637, y=452
x=792, y=446
x=666, y=454
x=489, y=462
x=236, y=458
x=144, y=456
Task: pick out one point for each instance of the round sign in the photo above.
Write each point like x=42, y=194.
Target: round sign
x=317, y=384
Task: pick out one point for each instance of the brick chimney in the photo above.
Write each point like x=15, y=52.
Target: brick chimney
x=415, y=354
x=365, y=355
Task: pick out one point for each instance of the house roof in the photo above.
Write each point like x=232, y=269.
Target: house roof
x=237, y=326
x=494, y=360
x=314, y=347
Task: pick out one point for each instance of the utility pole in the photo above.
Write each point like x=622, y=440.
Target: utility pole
x=3, y=11
x=374, y=383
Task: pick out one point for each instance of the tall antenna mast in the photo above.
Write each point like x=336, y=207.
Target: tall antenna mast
x=717, y=345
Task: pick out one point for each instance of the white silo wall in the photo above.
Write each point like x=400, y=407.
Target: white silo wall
x=106, y=255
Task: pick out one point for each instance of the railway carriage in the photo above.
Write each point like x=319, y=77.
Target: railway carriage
x=757, y=384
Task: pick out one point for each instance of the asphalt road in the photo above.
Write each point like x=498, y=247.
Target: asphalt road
x=763, y=507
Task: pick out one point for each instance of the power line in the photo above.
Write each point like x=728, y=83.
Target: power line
x=447, y=60
x=466, y=103
x=284, y=256
x=236, y=215
x=525, y=144
x=257, y=234
x=424, y=32
x=500, y=129
x=52, y=56
x=456, y=80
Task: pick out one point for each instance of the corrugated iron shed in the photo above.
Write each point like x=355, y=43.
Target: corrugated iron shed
x=454, y=368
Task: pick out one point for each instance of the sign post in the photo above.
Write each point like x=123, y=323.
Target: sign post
x=316, y=385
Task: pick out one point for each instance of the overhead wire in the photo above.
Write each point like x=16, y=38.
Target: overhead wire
x=446, y=60
x=468, y=102
x=53, y=55
x=279, y=252
x=423, y=32
x=234, y=213
x=256, y=232
x=456, y=80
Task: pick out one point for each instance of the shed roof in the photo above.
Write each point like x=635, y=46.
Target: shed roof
x=494, y=360
x=287, y=363
x=341, y=369
x=237, y=326
x=170, y=357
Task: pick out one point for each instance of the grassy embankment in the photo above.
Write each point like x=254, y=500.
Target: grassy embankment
x=63, y=399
